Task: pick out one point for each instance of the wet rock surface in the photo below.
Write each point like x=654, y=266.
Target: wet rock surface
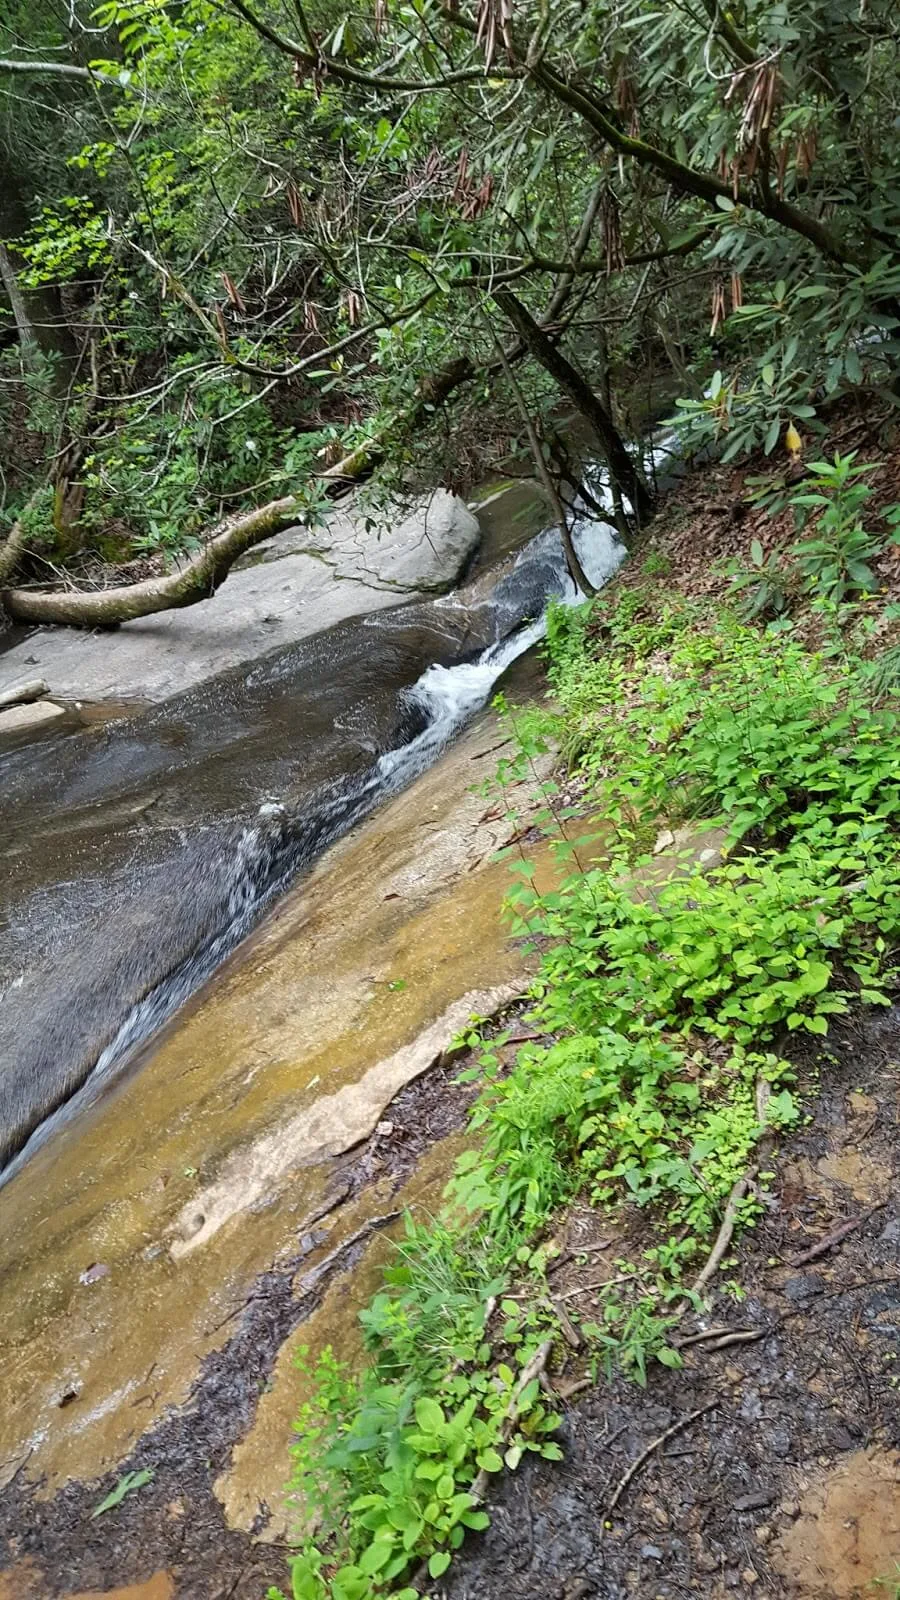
x=112, y=1343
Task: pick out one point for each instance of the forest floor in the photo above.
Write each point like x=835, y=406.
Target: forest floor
x=770, y=1464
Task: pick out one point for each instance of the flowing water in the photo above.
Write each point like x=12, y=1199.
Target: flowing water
x=141, y=857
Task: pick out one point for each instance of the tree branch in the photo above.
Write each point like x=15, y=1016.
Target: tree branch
x=621, y=467
x=59, y=69
x=726, y=31
x=197, y=580
x=317, y=60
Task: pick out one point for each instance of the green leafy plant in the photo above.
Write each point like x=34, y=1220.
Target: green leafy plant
x=889, y=1582
x=665, y=994
x=762, y=589
x=656, y=565
x=836, y=561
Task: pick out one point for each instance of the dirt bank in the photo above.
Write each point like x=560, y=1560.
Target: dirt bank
x=788, y=1483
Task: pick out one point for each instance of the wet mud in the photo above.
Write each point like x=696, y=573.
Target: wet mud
x=788, y=1483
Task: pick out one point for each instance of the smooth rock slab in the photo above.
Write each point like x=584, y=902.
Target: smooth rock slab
x=305, y=583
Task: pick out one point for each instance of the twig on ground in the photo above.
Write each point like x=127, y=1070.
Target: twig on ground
x=723, y=1238
x=701, y=1338
x=569, y=1331
x=601, y=1283
x=573, y=1251
x=721, y=1338
x=836, y=1236
x=532, y=1369
x=568, y=1389
x=655, y=1444
x=743, y=1336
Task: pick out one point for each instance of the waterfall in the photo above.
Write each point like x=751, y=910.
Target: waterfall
x=272, y=849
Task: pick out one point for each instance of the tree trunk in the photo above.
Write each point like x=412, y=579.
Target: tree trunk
x=622, y=469
x=37, y=312
x=576, y=570
x=28, y=339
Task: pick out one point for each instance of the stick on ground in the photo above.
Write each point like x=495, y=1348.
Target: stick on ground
x=655, y=1444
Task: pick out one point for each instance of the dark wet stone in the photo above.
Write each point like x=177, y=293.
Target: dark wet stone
x=754, y=1500
x=780, y=1442
x=804, y=1287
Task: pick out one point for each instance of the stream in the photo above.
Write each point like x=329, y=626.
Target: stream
x=140, y=854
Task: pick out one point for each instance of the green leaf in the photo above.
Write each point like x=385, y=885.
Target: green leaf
x=429, y=1415
x=853, y=366
x=438, y=1563
x=724, y=202
x=490, y=1461
x=669, y=1357
x=477, y=1520
x=125, y=1485
x=376, y=1556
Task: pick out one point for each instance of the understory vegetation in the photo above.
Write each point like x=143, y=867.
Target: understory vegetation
x=254, y=250
x=740, y=891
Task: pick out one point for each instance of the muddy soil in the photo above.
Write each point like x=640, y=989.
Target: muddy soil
x=788, y=1484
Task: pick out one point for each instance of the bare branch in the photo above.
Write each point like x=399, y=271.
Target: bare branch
x=60, y=69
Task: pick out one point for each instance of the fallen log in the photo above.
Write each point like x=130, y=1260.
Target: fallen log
x=197, y=580
x=21, y=694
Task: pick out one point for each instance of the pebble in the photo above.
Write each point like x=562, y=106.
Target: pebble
x=781, y=1442
x=750, y=1575
x=754, y=1500
x=651, y=1552
x=751, y=1406
x=804, y=1286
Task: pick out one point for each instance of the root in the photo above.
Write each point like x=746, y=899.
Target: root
x=723, y=1238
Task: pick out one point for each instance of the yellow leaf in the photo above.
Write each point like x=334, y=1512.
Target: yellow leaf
x=793, y=440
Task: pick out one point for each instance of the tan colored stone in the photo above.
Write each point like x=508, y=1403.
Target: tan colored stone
x=256, y=1476
x=22, y=719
